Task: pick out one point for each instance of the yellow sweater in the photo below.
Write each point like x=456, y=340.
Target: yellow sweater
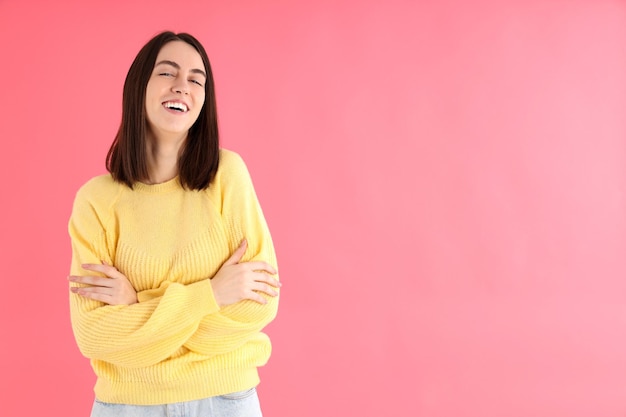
x=176, y=344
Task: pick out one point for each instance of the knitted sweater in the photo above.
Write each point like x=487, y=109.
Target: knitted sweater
x=176, y=344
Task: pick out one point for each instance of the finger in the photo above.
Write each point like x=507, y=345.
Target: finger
x=265, y=288
x=262, y=266
x=90, y=291
x=91, y=280
x=93, y=294
x=256, y=297
x=238, y=254
x=108, y=270
x=262, y=277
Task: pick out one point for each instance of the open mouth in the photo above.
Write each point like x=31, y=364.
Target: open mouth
x=173, y=105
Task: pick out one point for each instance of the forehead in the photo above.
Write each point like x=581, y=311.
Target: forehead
x=181, y=53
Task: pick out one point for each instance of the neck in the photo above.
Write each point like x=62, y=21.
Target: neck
x=162, y=158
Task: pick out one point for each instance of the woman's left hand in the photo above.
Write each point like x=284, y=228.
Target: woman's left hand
x=114, y=289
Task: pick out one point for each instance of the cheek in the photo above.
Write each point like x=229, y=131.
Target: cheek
x=150, y=94
x=200, y=105
x=154, y=89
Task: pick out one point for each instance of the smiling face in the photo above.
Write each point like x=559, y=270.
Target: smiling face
x=175, y=91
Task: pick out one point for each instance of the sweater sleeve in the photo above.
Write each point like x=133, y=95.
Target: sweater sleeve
x=238, y=323
x=137, y=335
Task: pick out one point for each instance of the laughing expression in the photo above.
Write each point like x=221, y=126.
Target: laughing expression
x=175, y=91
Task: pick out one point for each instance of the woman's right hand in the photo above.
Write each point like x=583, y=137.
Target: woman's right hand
x=236, y=281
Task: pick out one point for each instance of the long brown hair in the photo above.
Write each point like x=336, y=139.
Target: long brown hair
x=199, y=159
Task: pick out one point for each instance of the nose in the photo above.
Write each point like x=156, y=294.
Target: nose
x=180, y=86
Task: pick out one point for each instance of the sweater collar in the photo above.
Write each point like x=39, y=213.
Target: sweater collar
x=163, y=187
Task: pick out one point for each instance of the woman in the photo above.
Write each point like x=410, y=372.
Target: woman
x=173, y=270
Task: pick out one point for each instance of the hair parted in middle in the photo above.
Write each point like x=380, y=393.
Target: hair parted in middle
x=199, y=159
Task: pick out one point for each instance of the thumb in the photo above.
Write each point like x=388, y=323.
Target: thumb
x=238, y=254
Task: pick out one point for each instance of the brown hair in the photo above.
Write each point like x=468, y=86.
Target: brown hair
x=199, y=159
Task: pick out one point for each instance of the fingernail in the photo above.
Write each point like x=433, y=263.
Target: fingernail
x=71, y=278
x=74, y=289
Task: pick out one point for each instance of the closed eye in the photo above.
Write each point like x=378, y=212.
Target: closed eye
x=166, y=74
x=197, y=82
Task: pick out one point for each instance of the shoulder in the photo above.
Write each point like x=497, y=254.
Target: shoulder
x=100, y=191
x=230, y=159
x=104, y=180
x=231, y=166
x=94, y=201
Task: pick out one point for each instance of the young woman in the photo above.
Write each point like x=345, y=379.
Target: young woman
x=173, y=271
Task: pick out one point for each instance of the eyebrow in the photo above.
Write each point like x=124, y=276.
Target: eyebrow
x=175, y=65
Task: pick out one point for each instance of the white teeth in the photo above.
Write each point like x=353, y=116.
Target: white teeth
x=175, y=105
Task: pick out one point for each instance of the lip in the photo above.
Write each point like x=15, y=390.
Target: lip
x=176, y=100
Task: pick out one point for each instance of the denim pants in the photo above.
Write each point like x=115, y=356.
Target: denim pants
x=238, y=404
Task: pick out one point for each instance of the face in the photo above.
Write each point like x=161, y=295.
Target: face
x=175, y=90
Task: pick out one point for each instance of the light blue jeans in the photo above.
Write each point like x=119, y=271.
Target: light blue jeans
x=237, y=404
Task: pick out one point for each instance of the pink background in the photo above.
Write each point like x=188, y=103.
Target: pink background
x=445, y=183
